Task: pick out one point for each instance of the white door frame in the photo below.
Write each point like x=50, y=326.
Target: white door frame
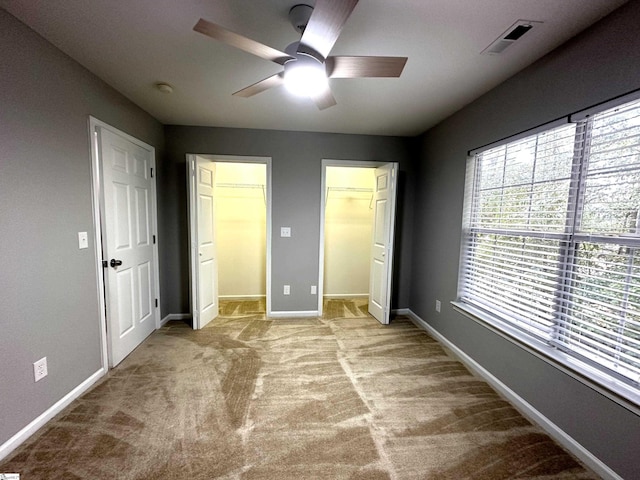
x=98, y=216
x=336, y=163
x=193, y=222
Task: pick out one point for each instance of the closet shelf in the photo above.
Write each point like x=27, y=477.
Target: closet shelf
x=253, y=186
x=351, y=192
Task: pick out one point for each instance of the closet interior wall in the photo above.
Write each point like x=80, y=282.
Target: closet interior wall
x=347, y=231
x=241, y=229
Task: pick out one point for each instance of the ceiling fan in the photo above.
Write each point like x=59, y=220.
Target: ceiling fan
x=307, y=64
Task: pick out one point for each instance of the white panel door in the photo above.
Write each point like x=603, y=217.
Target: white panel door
x=207, y=280
x=128, y=243
x=384, y=201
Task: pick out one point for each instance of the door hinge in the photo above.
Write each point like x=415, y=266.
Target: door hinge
x=156, y=303
x=154, y=239
x=151, y=172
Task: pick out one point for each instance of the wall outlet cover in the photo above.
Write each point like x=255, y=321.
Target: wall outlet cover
x=40, y=369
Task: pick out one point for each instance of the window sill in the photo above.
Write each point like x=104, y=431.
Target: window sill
x=615, y=390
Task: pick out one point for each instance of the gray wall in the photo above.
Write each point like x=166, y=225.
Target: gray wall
x=601, y=63
x=48, y=291
x=296, y=174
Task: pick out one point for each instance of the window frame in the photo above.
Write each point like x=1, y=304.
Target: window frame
x=586, y=370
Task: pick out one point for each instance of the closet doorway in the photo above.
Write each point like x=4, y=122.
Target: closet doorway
x=357, y=226
x=229, y=216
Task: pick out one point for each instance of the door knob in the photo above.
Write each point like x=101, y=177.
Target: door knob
x=115, y=263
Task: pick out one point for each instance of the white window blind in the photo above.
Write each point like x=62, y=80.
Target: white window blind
x=551, y=238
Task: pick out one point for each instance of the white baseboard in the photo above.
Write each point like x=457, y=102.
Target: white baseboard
x=175, y=316
x=239, y=297
x=19, y=438
x=345, y=295
x=518, y=402
x=292, y=314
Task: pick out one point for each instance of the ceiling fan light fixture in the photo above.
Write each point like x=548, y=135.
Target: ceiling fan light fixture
x=305, y=76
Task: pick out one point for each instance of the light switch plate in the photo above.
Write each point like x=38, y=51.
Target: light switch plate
x=83, y=240
x=285, y=231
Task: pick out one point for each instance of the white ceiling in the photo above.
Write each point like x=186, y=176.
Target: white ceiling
x=132, y=44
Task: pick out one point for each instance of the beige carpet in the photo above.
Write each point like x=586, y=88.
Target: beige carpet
x=339, y=397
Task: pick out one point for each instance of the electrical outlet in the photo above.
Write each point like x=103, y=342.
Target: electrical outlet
x=40, y=369
x=314, y=290
x=287, y=289
x=438, y=305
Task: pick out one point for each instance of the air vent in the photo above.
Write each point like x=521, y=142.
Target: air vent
x=508, y=38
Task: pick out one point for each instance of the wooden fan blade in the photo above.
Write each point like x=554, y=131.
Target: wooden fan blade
x=325, y=25
x=324, y=99
x=243, y=43
x=361, y=67
x=269, y=82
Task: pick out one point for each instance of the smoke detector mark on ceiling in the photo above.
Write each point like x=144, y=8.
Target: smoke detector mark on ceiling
x=164, y=87
x=509, y=37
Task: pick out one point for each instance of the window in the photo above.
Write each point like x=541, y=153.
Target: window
x=551, y=241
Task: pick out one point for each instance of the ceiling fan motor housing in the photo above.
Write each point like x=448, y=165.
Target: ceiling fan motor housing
x=299, y=16
x=301, y=58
